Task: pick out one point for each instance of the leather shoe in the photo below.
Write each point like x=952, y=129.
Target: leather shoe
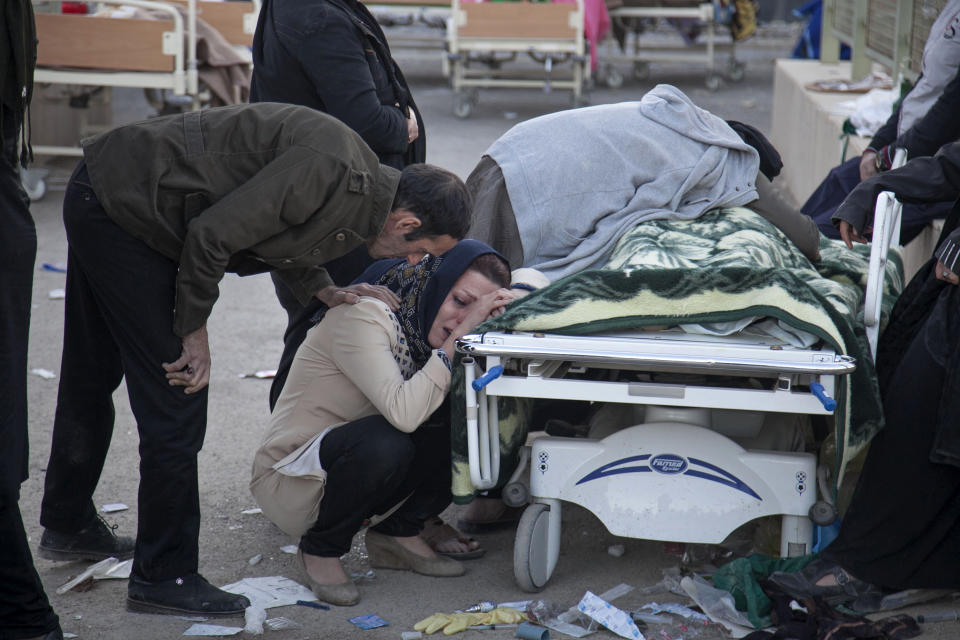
x=96, y=541
x=342, y=594
x=190, y=594
x=386, y=553
x=56, y=634
x=803, y=583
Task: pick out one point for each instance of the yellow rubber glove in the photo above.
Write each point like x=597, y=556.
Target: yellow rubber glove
x=432, y=624
x=504, y=615
x=460, y=621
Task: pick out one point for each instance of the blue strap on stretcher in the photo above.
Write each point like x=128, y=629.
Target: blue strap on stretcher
x=817, y=389
x=490, y=376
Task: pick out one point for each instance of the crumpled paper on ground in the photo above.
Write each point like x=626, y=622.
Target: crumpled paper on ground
x=614, y=619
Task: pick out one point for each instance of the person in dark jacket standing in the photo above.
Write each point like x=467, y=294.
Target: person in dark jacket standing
x=332, y=56
x=25, y=611
x=244, y=189
x=902, y=529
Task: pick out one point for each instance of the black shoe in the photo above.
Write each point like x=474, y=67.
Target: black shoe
x=191, y=594
x=96, y=541
x=803, y=584
x=56, y=634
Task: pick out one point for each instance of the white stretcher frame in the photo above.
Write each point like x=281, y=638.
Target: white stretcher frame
x=466, y=81
x=886, y=233
x=547, y=357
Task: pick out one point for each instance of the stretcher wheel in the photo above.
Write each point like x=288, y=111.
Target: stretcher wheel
x=641, y=70
x=530, y=549
x=712, y=81
x=823, y=513
x=515, y=494
x=736, y=70
x=612, y=77
x=462, y=108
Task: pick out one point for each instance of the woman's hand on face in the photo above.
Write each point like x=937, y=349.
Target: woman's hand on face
x=487, y=306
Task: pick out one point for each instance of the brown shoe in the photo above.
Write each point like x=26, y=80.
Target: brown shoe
x=342, y=594
x=387, y=553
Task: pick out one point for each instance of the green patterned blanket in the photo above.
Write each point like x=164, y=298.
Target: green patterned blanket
x=726, y=265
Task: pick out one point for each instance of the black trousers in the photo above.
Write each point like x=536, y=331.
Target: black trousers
x=342, y=271
x=119, y=324
x=24, y=609
x=902, y=529
x=371, y=466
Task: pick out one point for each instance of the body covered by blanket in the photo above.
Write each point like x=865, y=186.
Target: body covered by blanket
x=726, y=265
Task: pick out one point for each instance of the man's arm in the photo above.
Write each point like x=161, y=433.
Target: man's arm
x=928, y=179
x=272, y=201
x=938, y=126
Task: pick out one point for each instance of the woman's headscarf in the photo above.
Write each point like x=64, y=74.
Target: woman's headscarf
x=423, y=287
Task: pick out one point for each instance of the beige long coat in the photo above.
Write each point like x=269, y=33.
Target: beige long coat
x=354, y=364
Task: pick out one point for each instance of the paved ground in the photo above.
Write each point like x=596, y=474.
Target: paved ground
x=245, y=332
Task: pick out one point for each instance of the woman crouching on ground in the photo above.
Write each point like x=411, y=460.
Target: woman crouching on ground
x=343, y=443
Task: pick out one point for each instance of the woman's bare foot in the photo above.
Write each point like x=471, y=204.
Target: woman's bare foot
x=325, y=570
x=444, y=539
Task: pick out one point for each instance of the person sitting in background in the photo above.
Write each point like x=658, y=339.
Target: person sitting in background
x=902, y=530
x=557, y=192
x=347, y=439
x=924, y=121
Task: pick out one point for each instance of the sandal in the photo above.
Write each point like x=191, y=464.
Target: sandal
x=437, y=533
x=803, y=583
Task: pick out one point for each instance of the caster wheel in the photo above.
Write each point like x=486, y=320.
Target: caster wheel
x=463, y=107
x=823, y=513
x=612, y=77
x=530, y=549
x=516, y=494
x=712, y=82
x=736, y=71
x=641, y=70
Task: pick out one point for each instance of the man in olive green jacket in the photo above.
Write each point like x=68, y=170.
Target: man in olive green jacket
x=155, y=215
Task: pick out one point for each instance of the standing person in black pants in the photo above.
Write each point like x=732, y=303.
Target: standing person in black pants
x=331, y=55
x=25, y=611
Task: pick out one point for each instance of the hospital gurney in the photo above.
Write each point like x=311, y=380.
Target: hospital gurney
x=678, y=476
x=489, y=34
x=641, y=56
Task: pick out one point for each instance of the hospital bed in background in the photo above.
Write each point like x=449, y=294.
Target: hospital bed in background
x=152, y=54
x=679, y=475
x=637, y=16
x=483, y=38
